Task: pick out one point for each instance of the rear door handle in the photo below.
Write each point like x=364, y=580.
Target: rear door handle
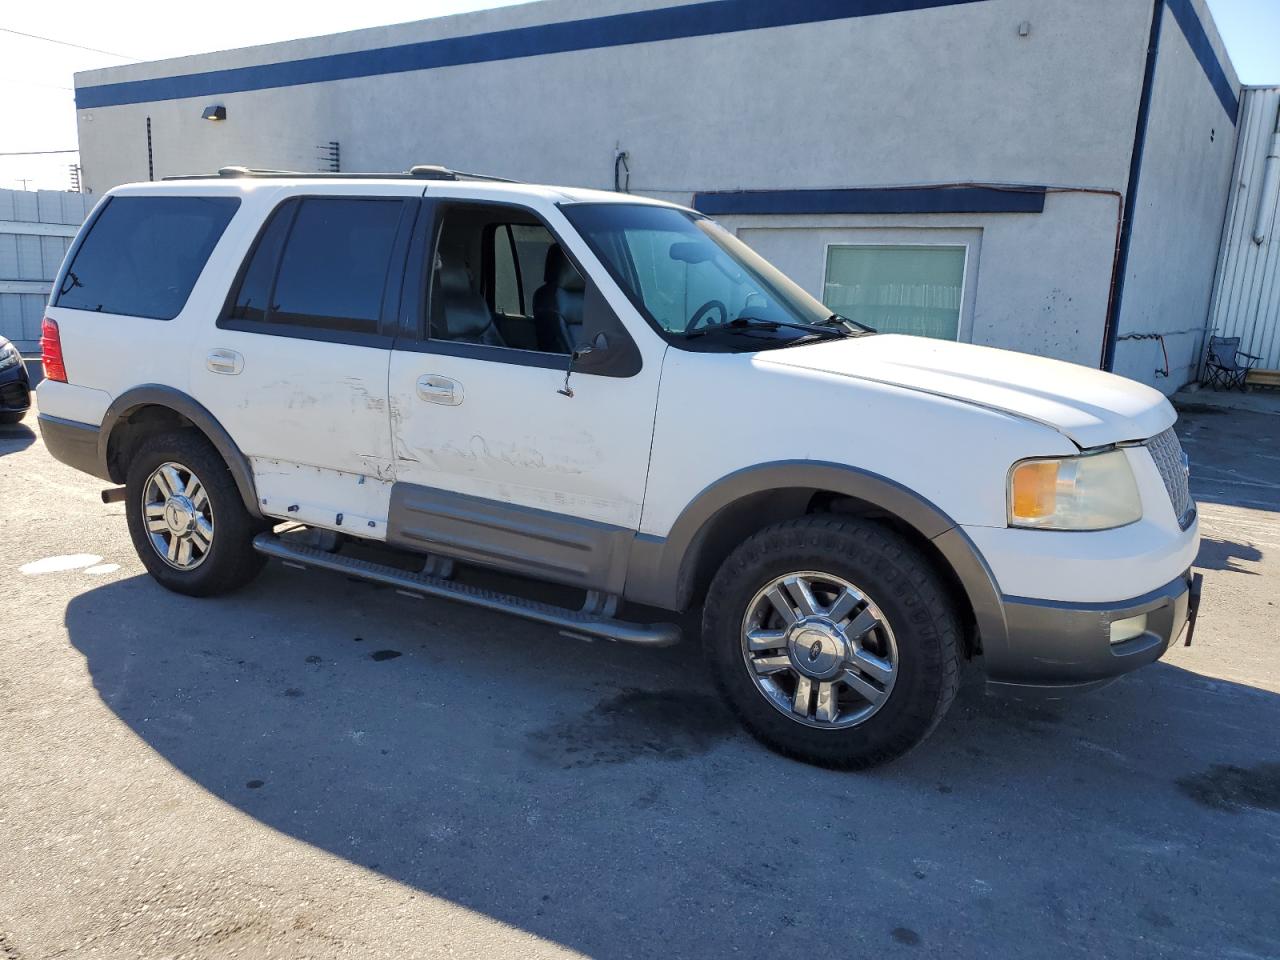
x=224, y=361
x=437, y=389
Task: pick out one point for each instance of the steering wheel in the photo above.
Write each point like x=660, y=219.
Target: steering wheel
x=701, y=315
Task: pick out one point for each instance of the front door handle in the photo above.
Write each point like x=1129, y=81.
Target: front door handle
x=436, y=389
x=229, y=362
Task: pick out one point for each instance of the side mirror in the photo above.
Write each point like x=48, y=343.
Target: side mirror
x=597, y=348
x=598, y=352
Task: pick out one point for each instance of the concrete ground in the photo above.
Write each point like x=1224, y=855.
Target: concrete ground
x=316, y=768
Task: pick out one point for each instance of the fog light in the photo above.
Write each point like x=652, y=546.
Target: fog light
x=1127, y=629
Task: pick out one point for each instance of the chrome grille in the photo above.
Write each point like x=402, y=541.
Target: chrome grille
x=1166, y=451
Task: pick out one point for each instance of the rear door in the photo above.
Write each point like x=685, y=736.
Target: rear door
x=296, y=366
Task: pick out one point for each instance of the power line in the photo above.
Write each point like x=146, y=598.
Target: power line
x=64, y=43
x=34, y=153
x=35, y=83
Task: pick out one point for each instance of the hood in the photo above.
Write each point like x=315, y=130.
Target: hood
x=1088, y=406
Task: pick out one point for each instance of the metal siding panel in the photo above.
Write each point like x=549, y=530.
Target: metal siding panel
x=29, y=267
x=25, y=206
x=51, y=251
x=49, y=203
x=8, y=256
x=11, y=316
x=32, y=314
x=6, y=205
x=72, y=208
x=1247, y=296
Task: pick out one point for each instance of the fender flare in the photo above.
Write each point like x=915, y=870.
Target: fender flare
x=158, y=395
x=661, y=569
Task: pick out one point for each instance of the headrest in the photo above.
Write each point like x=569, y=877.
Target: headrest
x=560, y=271
x=458, y=312
x=454, y=279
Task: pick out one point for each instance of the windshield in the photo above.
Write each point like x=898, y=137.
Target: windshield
x=696, y=281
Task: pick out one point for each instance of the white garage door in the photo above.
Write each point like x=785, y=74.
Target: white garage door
x=913, y=281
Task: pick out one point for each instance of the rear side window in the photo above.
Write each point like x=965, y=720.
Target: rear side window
x=255, y=288
x=142, y=255
x=321, y=264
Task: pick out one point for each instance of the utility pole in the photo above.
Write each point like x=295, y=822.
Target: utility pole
x=23, y=182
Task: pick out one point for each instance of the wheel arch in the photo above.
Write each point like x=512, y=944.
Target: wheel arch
x=669, y=572
x=144, y=410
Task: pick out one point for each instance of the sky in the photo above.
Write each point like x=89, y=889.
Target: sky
x=37, y=108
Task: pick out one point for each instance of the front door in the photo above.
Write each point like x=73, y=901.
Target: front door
x=495, y=460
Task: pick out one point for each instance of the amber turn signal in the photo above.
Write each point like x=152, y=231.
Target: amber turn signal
x=1035, y=489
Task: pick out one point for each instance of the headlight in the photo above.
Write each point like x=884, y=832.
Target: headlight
x=9, y=356
x=1093, y=492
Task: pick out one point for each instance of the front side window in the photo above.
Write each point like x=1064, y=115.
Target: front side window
x=499, y=278
x=143, y=255
x=916, y=289
x=694, y=280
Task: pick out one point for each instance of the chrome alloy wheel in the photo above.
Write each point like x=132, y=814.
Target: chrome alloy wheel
x=819, y=650
x=179, y=518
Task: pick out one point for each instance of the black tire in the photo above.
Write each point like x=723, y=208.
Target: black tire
x=906, y=589
x=12, y=416
x=231, y=561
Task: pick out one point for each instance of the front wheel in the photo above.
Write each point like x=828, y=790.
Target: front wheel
x=187, y=520
x=833, y=640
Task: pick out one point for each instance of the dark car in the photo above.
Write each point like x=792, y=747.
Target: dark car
x=15, y=384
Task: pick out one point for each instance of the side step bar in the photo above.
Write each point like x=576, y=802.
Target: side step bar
x=580, y=623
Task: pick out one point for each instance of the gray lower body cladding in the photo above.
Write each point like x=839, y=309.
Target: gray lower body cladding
x=1055, y=647
x=73, y=443
x=522, y=540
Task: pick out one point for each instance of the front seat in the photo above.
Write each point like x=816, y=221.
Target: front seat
x=458, y=312
x=557, y=304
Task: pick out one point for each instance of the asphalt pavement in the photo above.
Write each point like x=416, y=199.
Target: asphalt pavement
x=315, y=767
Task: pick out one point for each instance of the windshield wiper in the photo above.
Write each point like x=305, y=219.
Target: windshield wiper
x=855, y=327
x=755, y=323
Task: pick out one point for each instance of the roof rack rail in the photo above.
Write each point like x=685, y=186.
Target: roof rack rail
x=421, y=171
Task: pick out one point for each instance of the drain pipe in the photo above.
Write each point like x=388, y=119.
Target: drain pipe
x=1270, y=186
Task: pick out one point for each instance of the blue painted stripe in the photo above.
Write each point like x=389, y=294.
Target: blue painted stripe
x=616, y=30
x=1021, y=199
x=1184, y=12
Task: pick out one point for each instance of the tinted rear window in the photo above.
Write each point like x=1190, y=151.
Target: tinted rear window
x=334, y=269
x=142, y=255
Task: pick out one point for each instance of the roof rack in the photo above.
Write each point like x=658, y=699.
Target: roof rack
x=421, y=171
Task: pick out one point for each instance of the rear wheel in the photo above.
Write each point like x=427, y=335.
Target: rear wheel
x=12, y=416
x=833, y=640
x=188, y=523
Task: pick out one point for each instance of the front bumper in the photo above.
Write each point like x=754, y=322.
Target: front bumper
x=1055, y=647
x=15, y=391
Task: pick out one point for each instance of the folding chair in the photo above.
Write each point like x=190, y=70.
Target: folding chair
x=1227, y=366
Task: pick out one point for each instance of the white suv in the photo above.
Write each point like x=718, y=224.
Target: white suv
x=615, y=395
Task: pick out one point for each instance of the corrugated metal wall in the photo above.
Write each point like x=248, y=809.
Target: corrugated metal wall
x=36, y=227
x=1246, y=302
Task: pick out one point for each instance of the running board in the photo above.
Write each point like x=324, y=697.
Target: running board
x=579, y=623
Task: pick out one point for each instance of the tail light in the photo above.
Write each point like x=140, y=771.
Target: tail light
x=51, y=351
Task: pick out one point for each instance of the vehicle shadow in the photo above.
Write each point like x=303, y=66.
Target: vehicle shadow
x=15, y=437
x=1217, y=554
x=600, y=797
